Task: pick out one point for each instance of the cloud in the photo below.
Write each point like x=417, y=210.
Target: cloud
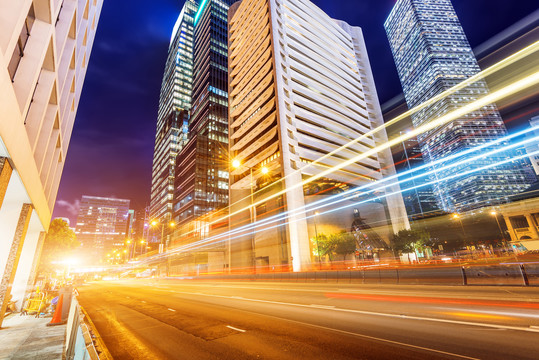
x=71, y=208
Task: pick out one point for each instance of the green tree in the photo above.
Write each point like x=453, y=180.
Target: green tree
x=344, y=243
x=407, y=241
x=322, y=246
x=59, y=243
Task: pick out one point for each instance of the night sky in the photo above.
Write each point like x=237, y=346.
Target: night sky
x=111, y=149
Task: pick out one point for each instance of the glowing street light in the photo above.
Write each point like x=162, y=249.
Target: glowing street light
x=495, y=214
x=170, y=224
x=252, y=211
x=316, y=237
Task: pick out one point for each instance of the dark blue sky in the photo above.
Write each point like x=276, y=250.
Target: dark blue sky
x=111, y=149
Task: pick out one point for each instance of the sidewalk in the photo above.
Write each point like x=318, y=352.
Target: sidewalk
x=27, y=337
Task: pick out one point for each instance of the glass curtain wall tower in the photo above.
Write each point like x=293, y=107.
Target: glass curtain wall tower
x=432, y=55
x=172, y=119
x=202, y=165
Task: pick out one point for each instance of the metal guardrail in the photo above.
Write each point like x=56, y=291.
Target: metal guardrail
x=517, y=274
x=82, y=338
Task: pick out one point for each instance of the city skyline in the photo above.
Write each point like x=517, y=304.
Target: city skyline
x=133, y=157
x=281, y=179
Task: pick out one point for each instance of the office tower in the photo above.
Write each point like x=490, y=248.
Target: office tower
x=419, y=200
x=45, y=47
x=202, y=165
x=102, y=226
x=301, y=87
x=174, y=103
x=432, y=55
x=534, y=146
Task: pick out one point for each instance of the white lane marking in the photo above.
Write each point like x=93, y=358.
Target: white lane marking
x=169, y=309
x=506, y=313
x=383, y=340
x=398, y=316
x=144, y=301
x=322, y=306
x=369, y=290
x=233, y=328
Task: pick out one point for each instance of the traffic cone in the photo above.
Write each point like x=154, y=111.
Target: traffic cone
x=57, y=317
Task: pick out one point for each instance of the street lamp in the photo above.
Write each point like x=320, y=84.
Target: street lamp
x=316, y=237
x=252, y=212
x=161, y=244
x=457, y=217
x=142, y=242
x=495, y=214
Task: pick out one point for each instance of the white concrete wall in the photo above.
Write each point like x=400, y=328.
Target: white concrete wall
x=37, y=109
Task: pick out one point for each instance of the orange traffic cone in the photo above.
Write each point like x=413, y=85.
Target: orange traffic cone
x=57, y=317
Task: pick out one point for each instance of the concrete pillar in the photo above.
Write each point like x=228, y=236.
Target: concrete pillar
x=5, y=175
x=35, y=265
x=26, y=260
x=13, y=258
x=532, y=226
x=512, y=234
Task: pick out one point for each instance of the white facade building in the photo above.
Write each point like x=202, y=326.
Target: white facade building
x=45, y=46
x=300, y=90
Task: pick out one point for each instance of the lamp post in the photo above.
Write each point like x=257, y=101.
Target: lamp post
x=495, y=214
x=317, y=245
x=457, y=217
x=252, y=212
x=162, y=245
x=142, y=242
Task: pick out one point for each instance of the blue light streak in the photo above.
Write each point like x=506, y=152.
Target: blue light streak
x=249, y=227
x=200, y=10
x=340, y=197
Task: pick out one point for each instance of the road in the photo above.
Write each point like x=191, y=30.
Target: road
x=186, y=319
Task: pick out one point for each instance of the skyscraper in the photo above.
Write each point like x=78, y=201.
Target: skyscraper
x=533, y=146
x=45, y=47
x=202, y=164
x=420, y=201
x=172, y=119
x=432, y=55
x=102, y=225
x=300, y=90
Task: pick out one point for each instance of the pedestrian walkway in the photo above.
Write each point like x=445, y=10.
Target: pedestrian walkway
x=27, y=337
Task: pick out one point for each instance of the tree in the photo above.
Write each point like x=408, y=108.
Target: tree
x=344, y=243
x=59, y=243
x=322, y=246
x=408, y=241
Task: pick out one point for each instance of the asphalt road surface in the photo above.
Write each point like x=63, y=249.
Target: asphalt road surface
x=186, y=319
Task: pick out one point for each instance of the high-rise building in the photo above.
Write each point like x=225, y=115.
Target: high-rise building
x=102, y=226
x=432, y=55
x=534, y=146
x=202, y=165
x=172, y=119
x=302, y=100
x=45, y=47
x=420, y=201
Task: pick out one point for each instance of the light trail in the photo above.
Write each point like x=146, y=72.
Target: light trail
x=479, y=76
x=511, y=89
x=245, y=230
x=320, y=203
x=508, y=90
